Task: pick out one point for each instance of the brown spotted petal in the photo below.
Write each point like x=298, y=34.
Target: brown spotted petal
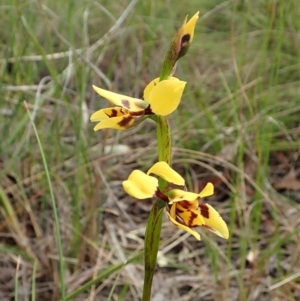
x=190, y=216
x=186, y=212
x=108, y=113
x=213, y=221
x=177, y=222
x=114, y=118
x=187, y=216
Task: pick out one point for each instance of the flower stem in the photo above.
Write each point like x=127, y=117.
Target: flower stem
x=154, y=222
x=151, y=246
x=164, y=144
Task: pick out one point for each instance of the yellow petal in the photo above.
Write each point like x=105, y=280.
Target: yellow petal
x=208, y=190
x=130, y=103
x=178, y=195
x=189, y=28
x=117, y=123
x=163, y=170
x=152, y=84
x=149, y=88
x=164, y=98
x=213, y=221
x=108, y=113
x=172, y=217
x=140, y=186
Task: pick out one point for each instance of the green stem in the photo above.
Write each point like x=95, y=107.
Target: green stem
x=153, y=228
x=152, y=238
x=164, y=144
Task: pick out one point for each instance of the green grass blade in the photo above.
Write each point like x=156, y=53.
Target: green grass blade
x=54, y=208
x=113, y=288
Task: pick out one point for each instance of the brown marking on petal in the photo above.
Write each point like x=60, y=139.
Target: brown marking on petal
x=185, y=40
x=185, y=204
x=114, y=113
x=191, y=219
x=125, y=103
x=204, y=210
x=148, y=111
x=179, y=210
x=125, y=121
x=137, y=114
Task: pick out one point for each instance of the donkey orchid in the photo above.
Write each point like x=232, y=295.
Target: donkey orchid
x=160, y=98
x=183, y=207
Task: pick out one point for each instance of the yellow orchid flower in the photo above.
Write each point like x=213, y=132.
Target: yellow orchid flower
x=183, y=207
x=160, y=98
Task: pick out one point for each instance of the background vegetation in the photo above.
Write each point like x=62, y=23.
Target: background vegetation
x=237, y=126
